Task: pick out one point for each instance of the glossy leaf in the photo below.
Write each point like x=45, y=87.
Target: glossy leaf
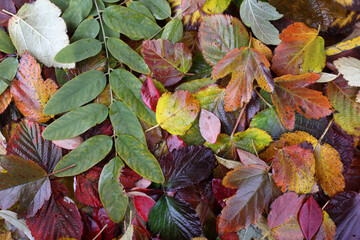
x=110, y=190
x=8, y=69
x=76, y=122
x=24, y=181
x=257, y=15
x=173, y=31
x=44, y=30
x=174, y=219
x=79, y=50
x=300, y=51
x=310, y=218
x=245, y=65
x=143, y=205
x=129, y=22
x=217, y=28
x=256, y=190
x=122, y=52
x=168, y=62
x=138, y=158
x=149, y=94
x=30, y=91
x=89, y=153
x=89, y=28
x=176, y=112
x=291, y=95
x=86, y=187
x=294, y=169
x=210, y=126
x=128, y=88
x=252, y=140
x=76, y=92
x=76, y=12
x=159, y=8
x=6, y=45
x=187, y=166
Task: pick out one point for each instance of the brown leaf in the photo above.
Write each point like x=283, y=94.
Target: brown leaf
x=5, y=99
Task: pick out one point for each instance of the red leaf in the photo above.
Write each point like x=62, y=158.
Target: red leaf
x=310, y=218
x=221, y=192
x=5, y=99
x=174, y=142
x=101, y=217
x=86, y=187
x=143, y=204
x=149, y=94
x=210, y=126
x=128, y=178
x=91, y=228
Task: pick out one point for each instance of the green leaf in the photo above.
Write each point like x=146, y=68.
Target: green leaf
x=173, y=31
x=110, y=190
x=82, y=89
x=129, y=22
x=6, y=45
x=79, y=50
x=128, y=88
x=193, y=135
x=124, y=121
x=257, y=14
x=122, y=52
x=76, y=12
x=160, y=8
x=139, y=158
x=8, y=69
x=194, y=85
x=174, y=219
x=252, y=139
x=268, y=121
x=94, y=11
x=76, y=122
x=141, y=8
x=89, y=28
x=110, y=1
x=62, y=4
x=87, y=155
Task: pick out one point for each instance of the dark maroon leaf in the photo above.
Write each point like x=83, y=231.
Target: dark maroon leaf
x=352, y=176
x=174, y=219
x=190, y=195
x=174, y=142
x=26, y=142
x=310, y=218
x=129, y=178
x=19, y=3
x=94, y=63
x=9, y=6
x=187, y=166
x=90, y=228
x=221, y=192
x=59, y=217
x=149, y=94
x=344, y=210
x=103, y=128
x=143, y=204
x=86, y=187
x=101, y=217
x=136, y=222
x=230, y=236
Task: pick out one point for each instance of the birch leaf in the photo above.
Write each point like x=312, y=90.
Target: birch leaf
x=38, y=29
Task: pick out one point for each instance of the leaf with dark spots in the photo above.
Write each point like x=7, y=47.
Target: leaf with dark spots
x=174, y=219
x=187, y=166
x=174, y=142
x=86, y=187
x=344, y=211
x=149, y=94
x=310, y=218
x=221, y=192
x=26, y=142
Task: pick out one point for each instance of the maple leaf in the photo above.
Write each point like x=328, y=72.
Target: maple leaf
x=245, y=65
x=300, y=51
x=30, y=91
x=291, y=95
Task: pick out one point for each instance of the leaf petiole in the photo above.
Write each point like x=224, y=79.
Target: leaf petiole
x=53, y=173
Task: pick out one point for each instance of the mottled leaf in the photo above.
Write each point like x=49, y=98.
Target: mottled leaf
x=327, y=229
x=221, y=193
x=215, y=6
x=5, y=100
x=252, y=140
x=349, y=67
x=269, y=121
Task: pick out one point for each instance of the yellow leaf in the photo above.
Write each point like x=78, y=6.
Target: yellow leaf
x=176, y=112
x=215, y=6
x=343, y=46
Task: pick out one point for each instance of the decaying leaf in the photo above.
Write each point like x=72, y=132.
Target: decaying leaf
x=210, y=126
x=349, y=67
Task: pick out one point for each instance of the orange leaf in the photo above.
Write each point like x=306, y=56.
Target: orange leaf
x=30, y=91
x=5, y=100
x=291, y=95
x=300, y=51
x=245, y=65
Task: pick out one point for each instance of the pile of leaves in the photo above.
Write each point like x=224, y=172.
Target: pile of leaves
x=179, y=119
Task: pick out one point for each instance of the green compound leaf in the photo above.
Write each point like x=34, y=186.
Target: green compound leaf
x=128, y=88
x=159, y=8
x=129, y=22
x=122, y=52
x=141, y=8
x=89, y=28
x=82, y=89
x=173, y=31
x=87, y=155
x=6, y=45
x=139, y=158
x=110, y=190
x=76, y=122
x=79, y=50
x=8, y=69
x=76, y=12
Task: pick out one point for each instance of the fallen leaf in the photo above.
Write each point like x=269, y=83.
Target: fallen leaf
x=86, y=187
x=349, y=4
x=310, y=218
x=191, y=6
x=143, y=204
x=221, y=193
x=70, y=143
x=210, y=126
x=174, y=142
x=30, y=91
x=5, y=99
x=149, y=94
x=215, y=6
x=327, y=229
x=349, y=67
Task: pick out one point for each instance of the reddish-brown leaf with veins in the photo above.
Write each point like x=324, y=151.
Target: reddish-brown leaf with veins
x=149, y=94
x=291, y=95
x=30, y=91
x=245, y=65
x=310, y=218
x=5, y=100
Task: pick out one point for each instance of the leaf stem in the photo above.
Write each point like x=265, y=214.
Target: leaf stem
x=326, y=130
x=8, y=13
x=53, y=173
x=100, y=232
x=152, y=128
x=238, y=120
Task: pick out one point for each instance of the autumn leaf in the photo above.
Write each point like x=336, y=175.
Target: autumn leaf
x=349, y=67
x=300, y=51
x=191, y=6
x=5, y=99
x=327, y=229
x=167, y=62
x=245, y=65
x=291, y=95
x=310, y=218
x=30, y=91
x=349, y=4
x=149, y=94
x=176, y=112
x=210, y=126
